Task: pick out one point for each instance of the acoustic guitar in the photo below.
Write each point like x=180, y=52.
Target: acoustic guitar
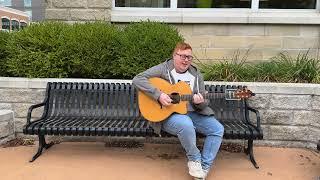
x=180, y=93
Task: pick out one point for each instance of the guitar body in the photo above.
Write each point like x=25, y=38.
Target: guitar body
x=152, y=110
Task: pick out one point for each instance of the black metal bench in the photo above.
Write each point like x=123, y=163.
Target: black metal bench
x=111, y=109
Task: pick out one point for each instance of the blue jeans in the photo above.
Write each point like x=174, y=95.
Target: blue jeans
x=186, y=126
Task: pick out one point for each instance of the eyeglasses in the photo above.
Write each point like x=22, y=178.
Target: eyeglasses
x=185, y=57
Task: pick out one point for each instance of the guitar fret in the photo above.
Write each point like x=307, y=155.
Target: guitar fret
x=188, y=97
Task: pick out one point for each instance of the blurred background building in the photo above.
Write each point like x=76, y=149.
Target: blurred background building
x=34, y=8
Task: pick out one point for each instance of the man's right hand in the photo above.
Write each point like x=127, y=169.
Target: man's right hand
x=164, y=99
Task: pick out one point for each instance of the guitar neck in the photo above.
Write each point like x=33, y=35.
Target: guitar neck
x=188, y=97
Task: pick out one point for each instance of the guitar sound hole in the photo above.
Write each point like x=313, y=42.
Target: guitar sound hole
x=175, y=98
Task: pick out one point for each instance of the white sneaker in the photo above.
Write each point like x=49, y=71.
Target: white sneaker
x=195, y=169
x=205, y=172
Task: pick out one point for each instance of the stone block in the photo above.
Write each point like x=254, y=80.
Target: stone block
x=300, y=42
x=264, y=42
x=69, y=3
x=184, y=29
x=90, y=14
x=267, y=54
x=310, y=31
x=266, y=131
x=276, y=117
x=7, y=106
x=246, y=30
x=57, y=14
x=290, y=102
x=254, y=54
x=253, y=117
x=230, y=42
x=22, y=95
x=205, y=54
x=282, y=30
x=211, y=29
x=21, y=110
x=6, y=123
x=6, y=115
x=294, y=133
x=4, y=129
x=14, y=83
x=100, y=4
x=306, y=118
x=260, y=101
x=312, y=53
x=314, y=134
x=19, y=123
x=220, y=54
x=203, y=41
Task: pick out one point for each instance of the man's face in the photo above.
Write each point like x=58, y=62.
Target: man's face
x=182, y=60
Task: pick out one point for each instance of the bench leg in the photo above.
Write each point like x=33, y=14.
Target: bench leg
x=42, y=144
x=249, y=151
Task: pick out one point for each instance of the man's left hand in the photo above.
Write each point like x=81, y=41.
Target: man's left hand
x=198, y=98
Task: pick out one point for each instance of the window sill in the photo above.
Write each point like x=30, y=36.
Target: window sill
x=242, y=16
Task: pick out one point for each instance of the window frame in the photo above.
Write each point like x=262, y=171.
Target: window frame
x=7, y=18
x=13, y=23
x=217, y=15
x=22, y=22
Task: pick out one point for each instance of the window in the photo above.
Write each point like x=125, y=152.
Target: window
x=218, y=11
x=29, y=12
x=5, y=23
x=263, y=4
x=5, y=2
x=14, y=25
x=27, y=3
x=23, y=25
x=143, y=3
x=287, y=4
x=214, y=4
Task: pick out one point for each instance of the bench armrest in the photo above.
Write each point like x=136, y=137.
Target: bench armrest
x=257, y=115
x=30, y=111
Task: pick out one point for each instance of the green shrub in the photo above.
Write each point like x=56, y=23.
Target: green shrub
x=4, y=37
x=143, y=45
x=55, y=49
x=302, y=69
x=37, y=51
x=235, y=69
x=281, y=68
x=91, y=50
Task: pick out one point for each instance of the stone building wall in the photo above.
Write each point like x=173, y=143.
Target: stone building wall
x=211, y=41
x=262, y=41
x=78, y=10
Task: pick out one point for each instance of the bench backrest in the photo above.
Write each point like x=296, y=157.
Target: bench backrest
x=119, y=100
x=92, y=100
x=227, y=110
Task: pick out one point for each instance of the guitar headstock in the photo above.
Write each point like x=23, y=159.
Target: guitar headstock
x=244, y=93
x=238, y=94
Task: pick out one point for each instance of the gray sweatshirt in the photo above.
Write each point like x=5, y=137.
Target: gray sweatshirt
x=141, y=81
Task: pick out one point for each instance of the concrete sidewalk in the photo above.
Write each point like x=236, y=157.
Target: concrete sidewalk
x=95, y=161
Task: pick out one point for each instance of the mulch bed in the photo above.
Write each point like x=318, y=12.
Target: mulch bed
x=18, y=142
x=229, y=147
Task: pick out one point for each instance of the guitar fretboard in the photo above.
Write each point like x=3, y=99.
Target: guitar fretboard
x=188, y=97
